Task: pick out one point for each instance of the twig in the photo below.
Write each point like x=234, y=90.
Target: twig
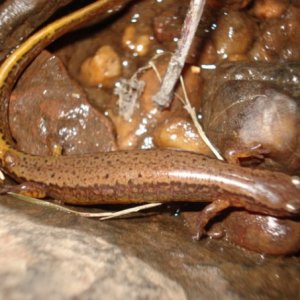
x=177, y=61
x=57, y=206
x=130, y=210
x=102, y=215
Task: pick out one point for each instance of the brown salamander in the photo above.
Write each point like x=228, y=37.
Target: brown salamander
x=134, y=176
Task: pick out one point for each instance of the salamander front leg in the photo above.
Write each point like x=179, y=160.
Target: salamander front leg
x=29, y=189
x=209, y=212
x=234, y=156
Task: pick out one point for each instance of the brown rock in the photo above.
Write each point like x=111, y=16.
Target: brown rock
x=50, y=110
x=102, y=68
x=179, y=133
x=19, y=18
x=263, y=234
x=256, y=110
x=234, y=34
x=269, y=9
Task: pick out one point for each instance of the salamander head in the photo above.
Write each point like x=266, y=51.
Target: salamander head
x=293, y=205
x=281, y=195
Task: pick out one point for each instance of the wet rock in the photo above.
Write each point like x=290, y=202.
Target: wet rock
x=47, y=253
x=179, y=133
x=42, y=261
x=263, y=234
x=49, y=110
x=101, y=69
x=137, y=39
x=285, y=75
x=252, y=112
x=234, y=34
x=269, y=9
x=255, y=117
x=20, y=18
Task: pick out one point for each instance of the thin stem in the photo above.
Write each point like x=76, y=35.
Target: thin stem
x=101, y=215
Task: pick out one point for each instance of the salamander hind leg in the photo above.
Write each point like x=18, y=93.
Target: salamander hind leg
x=29, y=189
x=209, y=212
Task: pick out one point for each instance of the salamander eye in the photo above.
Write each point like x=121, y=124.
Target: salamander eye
x=296, y=181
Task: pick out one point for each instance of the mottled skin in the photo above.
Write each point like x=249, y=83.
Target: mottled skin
x=135, y=176
x=155, y=176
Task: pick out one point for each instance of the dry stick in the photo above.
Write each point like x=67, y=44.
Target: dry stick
x=44, y=203
x=101, y=215
x=177, y=61
x=130, y=210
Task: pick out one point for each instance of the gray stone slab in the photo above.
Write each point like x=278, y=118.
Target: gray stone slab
x=49, y=254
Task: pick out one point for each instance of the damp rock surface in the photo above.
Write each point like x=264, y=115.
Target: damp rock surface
x=46, y=253
x=48, y=109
